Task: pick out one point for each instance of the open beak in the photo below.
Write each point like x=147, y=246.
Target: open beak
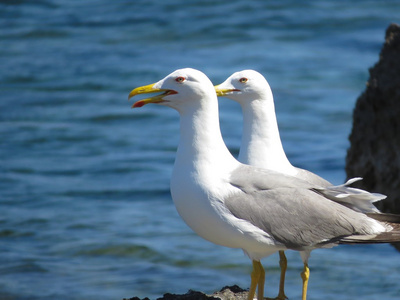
x=223, y=92
x=146, y=90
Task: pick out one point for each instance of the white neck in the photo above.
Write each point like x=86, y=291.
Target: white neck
x=261, y=143
x=202, y=151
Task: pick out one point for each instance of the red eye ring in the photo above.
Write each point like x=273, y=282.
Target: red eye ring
x=243, y=80
x=180, y=79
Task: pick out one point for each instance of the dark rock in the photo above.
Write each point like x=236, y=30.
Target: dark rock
x=374, y=152
x=227, y=293
x=232, y=293
x=191, y=295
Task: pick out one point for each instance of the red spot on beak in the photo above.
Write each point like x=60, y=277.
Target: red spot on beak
x=140, y=103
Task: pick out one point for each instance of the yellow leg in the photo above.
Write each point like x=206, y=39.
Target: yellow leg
x=257, y=279
x=305, y=275
x=261, y=281
x=283, y=265
x=254, y=281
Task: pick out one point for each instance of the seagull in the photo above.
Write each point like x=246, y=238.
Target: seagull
x=261, y=146
x=240, y=206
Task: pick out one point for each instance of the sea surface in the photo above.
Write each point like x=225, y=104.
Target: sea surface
x=85, y=208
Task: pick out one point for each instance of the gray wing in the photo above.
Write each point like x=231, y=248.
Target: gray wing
x=297, y=217
x=353, y=198
x=356, y=199
x=249, y=179
x=312, y=178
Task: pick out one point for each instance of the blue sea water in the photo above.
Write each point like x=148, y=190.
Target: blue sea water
x=85, y=209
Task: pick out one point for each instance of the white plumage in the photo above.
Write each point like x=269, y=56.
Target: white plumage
x=240, y=206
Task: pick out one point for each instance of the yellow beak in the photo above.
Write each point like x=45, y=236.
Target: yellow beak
x=223, y=92
x=146, y=90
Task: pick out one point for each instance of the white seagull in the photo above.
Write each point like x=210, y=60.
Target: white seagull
x=261, y=146
x=241, y=206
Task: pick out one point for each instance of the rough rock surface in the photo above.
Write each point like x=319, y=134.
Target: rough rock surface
x=226, y=293
x=374, y=153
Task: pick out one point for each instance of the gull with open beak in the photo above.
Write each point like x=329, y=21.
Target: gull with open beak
x=241, y=206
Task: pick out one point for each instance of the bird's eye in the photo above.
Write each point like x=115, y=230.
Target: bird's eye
x=243, y=80
x=180, y=79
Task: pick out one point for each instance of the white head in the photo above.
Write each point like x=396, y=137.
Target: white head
x=181, y=88
x=245, y=86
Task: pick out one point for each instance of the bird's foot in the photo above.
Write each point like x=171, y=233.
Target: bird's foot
x=279, y=297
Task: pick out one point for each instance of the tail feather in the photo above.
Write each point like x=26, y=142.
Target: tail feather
x=356, y=199
x=385, y=217
x=392, y=236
